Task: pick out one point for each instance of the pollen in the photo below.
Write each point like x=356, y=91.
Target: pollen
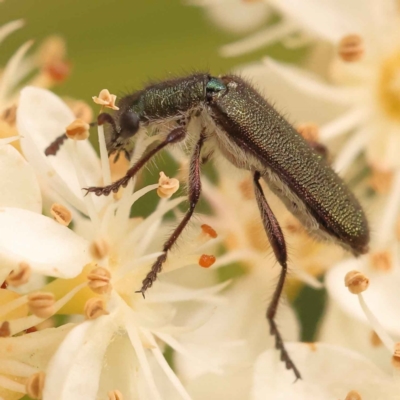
x=42, y=304
x=94, y=308
x=388, y=88
x=353, y=395
x=351, y=48
x=34, y=385
x=61, y=214
x=308, y=131
x=115, y=395
x=78, y=130
x=99, y=280
x=19, y=276
x=5, y=329
x=99, y=249
x=381, y=261
x=356, y=282
x=209, y=231
x=106, y=99
x=206, y=261
x=167, y=186
x=375, y=340
x=381, y=180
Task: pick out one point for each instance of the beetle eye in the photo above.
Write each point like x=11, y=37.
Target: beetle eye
x=129, y=123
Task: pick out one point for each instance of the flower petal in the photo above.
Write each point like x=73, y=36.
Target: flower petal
x=41, y=117
x=19, y=187
x=48, y=247
x=328, y=372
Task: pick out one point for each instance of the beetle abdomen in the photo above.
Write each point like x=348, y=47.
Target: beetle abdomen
x=262, y=133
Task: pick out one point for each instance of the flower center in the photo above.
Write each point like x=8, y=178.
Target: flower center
x=389, y=86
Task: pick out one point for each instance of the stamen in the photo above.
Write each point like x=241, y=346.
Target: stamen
x=209, y=231
x=351, y=48
x=381, y=260
x=206, y=261
x=380, y=180
x=356, y=282
x=34, y=385
x=353, y=395
x=10, y=115
x=106, y=99
x=99, y=280
x=42, y=304
x=81, y=110
x=20, y=276
x=115, y=395
x=94, y=308
x=5, y=329
x=309, y=132
x=167, y=186
x=99, y=249
x=78, y=130
x=61, y=214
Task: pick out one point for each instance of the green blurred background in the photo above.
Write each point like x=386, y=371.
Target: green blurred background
x=120, y=45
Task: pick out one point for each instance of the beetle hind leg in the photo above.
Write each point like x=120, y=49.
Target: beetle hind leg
x=277, y=240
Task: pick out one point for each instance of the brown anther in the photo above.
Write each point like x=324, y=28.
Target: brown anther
x=106, y=99
x=82, y=110
x=396, y=352
x=381, y=260
x=78, y=130
x=94, y=308
x=309, y=131
x=209, y=231
x=61, y=214
x=99, y=248
x=42, y=304
x=381, y=180
x=353, y=395
x=167, y=186
x=5, y=329
x=59, y=71
x=375, y=340
x=396, y=362
x=351, y=48
x=99, y=280
x=246, y=188
x=34, y=385
x=19, y=276
x=206, y=261
x=10, y=115
x=356, y=282
x=53, y=49
x=115, y=395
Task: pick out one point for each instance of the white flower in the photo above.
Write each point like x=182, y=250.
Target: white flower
x=112, y=258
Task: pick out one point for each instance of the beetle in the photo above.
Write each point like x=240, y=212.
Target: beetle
x=238, y=122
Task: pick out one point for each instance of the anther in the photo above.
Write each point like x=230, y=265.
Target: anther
x=351, y=48
x=94, y=308
x=353, y=395
x=396, y=356
x=309, y=131
x=34, y=385
x=99, y=248
x=78, y=130
x=106, y=99
x=208, y=230
x=61, y=214
x=10, y=115
x=115, y=395
x=82, y=110
x=375, y=340
x=41, y=304
x=5, y=329
x=99, y=280
x=206, y=261
x=356, y=282
x=381, y=260
x=19, y=276
x=167, y=186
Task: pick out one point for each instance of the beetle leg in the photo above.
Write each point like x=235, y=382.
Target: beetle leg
x=176, y=135
x=194, y=194
x=277, y=240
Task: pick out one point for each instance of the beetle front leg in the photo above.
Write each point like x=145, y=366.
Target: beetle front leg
x=194, y=195
x=277, y=240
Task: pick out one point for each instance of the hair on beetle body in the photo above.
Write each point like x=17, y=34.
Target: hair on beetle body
x=238, y=122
